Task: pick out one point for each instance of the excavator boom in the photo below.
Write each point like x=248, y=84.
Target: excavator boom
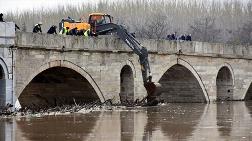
x=101, y=24
x=137, y=48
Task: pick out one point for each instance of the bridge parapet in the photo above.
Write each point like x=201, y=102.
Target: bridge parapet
x=113, y=44
x=7, y=33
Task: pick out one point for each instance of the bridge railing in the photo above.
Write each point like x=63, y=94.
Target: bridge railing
x=114, y=44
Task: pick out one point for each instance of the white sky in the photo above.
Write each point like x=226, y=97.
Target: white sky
x=21, y=5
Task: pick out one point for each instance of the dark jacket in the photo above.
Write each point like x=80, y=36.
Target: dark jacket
x=37, y=28
x=1, y=18
x=52, y=30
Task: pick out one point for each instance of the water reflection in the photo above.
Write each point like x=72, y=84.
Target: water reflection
x=176, y=121
x=6, y=129
x=221, y=121
x=224, y=118
x=56, y=128
x=127, y=125
x=2, y=130
x=249, y=106
x=234, y=121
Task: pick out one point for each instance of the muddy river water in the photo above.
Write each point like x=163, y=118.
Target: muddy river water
x=228, y=121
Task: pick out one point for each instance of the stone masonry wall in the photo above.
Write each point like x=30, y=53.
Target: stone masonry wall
x=104, y=57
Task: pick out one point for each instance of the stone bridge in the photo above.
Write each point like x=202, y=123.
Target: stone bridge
x=42, y=69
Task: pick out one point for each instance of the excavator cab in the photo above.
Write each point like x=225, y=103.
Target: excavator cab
x=99, y=18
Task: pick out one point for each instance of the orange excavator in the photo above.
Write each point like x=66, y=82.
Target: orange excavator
x=94, y=20
x=101, y=24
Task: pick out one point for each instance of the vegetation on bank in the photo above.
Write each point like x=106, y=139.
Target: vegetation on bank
x=206, y=20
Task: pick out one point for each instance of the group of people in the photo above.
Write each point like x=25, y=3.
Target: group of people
x=75, y=31
x=64, y=30
x=37, y=29
x=183, y=37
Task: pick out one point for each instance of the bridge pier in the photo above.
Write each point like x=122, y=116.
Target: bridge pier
x=7, y=36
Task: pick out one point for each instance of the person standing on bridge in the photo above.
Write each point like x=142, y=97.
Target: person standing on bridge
x=52, y=30
x=64, y=31
x=1, y=17
x=189, y=37
x=37, y=28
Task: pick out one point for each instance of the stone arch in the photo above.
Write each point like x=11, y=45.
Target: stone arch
x=230, y=69
x=194, y=78
x=68, y=65
x=224, y=83
x=131, y=65
x=4, y=69
x=3, y=78
x=126, y=85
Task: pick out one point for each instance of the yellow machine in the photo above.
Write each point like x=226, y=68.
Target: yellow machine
x=95, y=19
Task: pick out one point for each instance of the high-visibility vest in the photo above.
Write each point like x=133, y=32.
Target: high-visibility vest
x=86, y=33
x=64, y=31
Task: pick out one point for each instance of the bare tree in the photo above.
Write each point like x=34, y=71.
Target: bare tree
x=24, y=28
x=205, y=30
x=243, y=35
x=154, y=19
x=155, y=27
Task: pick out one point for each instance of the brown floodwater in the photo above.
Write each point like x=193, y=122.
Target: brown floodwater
x=228, y=121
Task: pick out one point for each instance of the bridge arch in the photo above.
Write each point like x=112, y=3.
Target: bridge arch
x=183, y=92
x=131, y=65
x=67, y=68
x=4, y=69
x=127, y=77
x=3, y=78
x=225, y=82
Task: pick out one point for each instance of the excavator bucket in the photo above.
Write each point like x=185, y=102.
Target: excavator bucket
x=154, y=91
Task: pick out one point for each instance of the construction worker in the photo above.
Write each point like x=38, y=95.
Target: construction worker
x=189, y=37
x=73, y=31
x=64, y=31
x=52, y=30
x=87, y=33
x=1, y=17
x=37, y=28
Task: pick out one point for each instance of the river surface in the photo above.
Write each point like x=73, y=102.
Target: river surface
x=229, y=121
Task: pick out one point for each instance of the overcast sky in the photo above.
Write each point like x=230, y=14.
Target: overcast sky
x=21, y=5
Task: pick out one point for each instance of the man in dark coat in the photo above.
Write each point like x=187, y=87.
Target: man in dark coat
x=1, y=17
x=52, y=30
x=189, y=37
x=37, y=28
x=183, y=37
x=73, y=31
x=173, y=36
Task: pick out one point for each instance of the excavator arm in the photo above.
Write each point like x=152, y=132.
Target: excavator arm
x=137, y=48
